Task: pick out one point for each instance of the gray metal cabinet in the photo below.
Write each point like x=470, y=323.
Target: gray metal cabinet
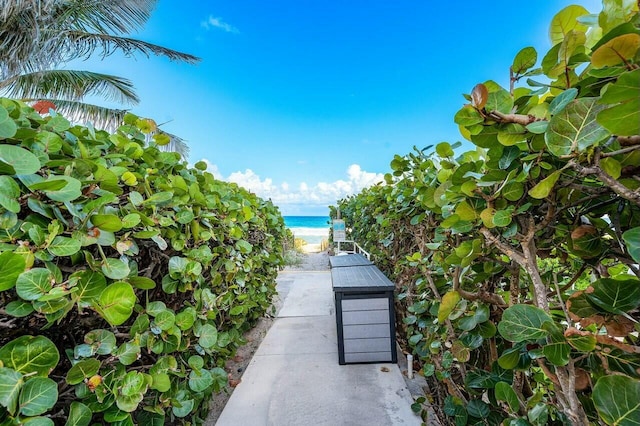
x=365, y=316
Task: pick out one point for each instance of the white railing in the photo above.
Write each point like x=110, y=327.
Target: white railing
x=355, y=249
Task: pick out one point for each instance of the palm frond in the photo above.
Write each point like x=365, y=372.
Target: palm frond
x=70, y=85
x=82, y=44
x=106, y=16
x=100, y=117
x=20, y=35
x=9, y=8
x=109, y=119
x=40, y=34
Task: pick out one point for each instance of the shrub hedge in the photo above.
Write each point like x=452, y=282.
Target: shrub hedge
x=517, y=262
x=126, y=277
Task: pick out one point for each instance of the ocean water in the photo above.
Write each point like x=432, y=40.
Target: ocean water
x=312, y=229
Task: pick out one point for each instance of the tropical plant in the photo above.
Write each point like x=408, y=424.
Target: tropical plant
x=38, y=35
x=517, y=262
x=126, y=278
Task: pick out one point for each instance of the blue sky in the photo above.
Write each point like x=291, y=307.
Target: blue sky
x=305, y=102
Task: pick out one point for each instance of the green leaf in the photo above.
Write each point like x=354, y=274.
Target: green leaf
x=449, y=302
x=165, y=320
x=626, y=88
x=509, y=154
x=79, y=415
x=11, y=266
x=582, y=342
x=34, y=283
x=538, y=127
x=208, y=336
x=128, y=353
x=9, y=194
x=444, y=150
x=617, y=399
x=15, y=160
x=509, y=358
x=161, y=382
x=19, y=308
x=513, y=191
x=201, y=380
x=220, y=378
x=611, y=166
x=30, y=355
x=63, y=246
x=8, y=127
x=10, y=384
x=623, y=119
x=566, y=21
x=615, y=295
x=616, y=50
x=143, y=283
x=478, y=408
x=575, y=128
x=89, y=287
x=465, y=211
x=159, y=198
x=51, y=141
x=130, y=220
x=559, y=103
x=502, y=218
x=631, y=238
x=557, y=353
x=186, y=318
x=116, y=302
x=38, y=395
x=51, y=184
x=504, y=392
x=102, y=341
x=115, y=269
x=38, y=421
x=184, y=408
x=184, y=216
x=467, y=116
x=133, y=383
x=244, y=246
x=523, y=322
x=544, y=187
x=83, y=370
x=499, y=99
x=525, y=59
x=71, y=191
x=107, y=222
x=136, y=198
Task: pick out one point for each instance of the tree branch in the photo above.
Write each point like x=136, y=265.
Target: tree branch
x=504, y=248
x=629, y=140
x=620, y=151
x=612, y=183
x=513, y=118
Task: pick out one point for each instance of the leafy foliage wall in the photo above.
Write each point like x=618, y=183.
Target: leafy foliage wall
x=126, y=278
x=517, y=262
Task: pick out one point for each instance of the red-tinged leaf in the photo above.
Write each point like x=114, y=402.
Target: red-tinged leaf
x=479, y=96
x=43, y=107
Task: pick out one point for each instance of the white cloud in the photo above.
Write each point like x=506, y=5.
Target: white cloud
x=305, y=197
x=215, y=22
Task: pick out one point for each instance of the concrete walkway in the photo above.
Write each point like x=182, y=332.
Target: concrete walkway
x=294, y=378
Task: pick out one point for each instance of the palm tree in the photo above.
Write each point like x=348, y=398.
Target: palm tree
x=36, y=36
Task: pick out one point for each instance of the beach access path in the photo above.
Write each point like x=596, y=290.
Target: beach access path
x=294, y=377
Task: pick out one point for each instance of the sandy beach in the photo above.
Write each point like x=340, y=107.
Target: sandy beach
x=311, y=248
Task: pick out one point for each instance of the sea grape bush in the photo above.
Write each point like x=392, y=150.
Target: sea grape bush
x=517, y=262
x=126, y=277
